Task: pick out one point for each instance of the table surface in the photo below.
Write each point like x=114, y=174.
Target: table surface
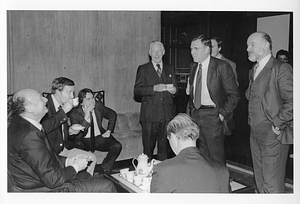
x=130, y=187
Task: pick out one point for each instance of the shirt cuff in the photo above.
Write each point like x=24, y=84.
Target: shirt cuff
x=76, y=167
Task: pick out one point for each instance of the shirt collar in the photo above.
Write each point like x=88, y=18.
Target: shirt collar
x=154, y=65
x=33, y=122
x=205, y=62
x=55, y=102
x=264, y=61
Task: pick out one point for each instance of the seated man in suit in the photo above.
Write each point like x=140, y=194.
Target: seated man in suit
x=31, y=160
x=59, y=103
x=93, y=137
x=189, y=171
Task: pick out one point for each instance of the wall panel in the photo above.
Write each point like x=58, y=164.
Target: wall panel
x=97, y=49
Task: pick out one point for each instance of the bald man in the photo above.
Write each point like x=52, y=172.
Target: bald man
x=270, y=95
x=32, y=162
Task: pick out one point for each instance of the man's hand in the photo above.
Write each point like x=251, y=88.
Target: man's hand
x=75, y=129
x=159, y=87
x=67, y=106
x=106, y=134
x=276, y=130
x=172, y=91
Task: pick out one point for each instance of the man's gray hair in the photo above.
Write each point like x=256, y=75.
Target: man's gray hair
x=184, y=127
x=156, y=42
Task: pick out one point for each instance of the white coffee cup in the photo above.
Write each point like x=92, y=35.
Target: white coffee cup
x=123, y=171
x=137, y=180
x=129, y=176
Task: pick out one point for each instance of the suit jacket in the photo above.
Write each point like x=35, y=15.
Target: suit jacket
x=222, y=89
x=156, y=106
x=277, y=96
x=190, y=172
x=77, y=117
x=52, y=123
x=31, y=160
x=233, y=66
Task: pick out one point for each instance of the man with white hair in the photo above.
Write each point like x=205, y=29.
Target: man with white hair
x=189, y=171
x=156, y=84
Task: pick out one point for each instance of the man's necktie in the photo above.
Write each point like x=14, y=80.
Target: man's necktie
x=159, y=70
x=92, y=133
x=255, y=73
x=197, y=99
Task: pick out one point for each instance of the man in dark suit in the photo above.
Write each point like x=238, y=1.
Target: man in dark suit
x=93, y=137
x=213, y=97
x=216, y=44
x=31, y=160
x=59, y=104
x=270, y=95
x=189, y=171
x=156, y=83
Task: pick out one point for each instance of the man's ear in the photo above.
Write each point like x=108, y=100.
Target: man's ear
x=29, y=107
x=220, y=49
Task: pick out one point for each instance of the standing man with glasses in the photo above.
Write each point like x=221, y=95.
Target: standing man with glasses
x=156, y=84
x=270, y=95
x=213, y=97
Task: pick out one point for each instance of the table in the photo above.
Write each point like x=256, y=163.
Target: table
x=236, y=187
x=130, y=187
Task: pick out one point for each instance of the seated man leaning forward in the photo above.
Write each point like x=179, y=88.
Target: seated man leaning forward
x=93, y=137
x=189, y=171
x=31, y=160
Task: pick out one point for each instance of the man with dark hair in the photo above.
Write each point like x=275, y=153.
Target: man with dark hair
x=59, y=104
x=156, y=83
x=270, y=95
x=283, y=56
x=32, y=162
x=90, y=114
x=213, y=97
x=189, y=171
x=216, y=43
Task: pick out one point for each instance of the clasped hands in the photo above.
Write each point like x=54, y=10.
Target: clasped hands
x=163, y=87
x=79, y=161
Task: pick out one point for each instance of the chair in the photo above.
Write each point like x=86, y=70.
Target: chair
x=12, y=187
x=9, y=111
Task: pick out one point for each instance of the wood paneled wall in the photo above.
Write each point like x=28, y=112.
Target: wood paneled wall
x=96, y=49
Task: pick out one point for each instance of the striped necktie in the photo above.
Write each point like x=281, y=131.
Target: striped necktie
x=255, y=73
x=159, y=70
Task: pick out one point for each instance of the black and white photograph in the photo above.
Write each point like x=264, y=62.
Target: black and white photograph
x=126, y=102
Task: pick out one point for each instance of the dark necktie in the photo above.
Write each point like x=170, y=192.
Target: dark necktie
x=92, y=133
x=197, y=100
x=159, y=70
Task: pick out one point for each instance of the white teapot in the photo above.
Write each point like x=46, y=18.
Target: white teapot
x=143, y=168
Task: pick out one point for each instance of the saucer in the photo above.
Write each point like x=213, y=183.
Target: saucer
x=77, y=127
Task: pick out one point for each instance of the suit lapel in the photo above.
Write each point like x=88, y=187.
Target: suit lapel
x=266, y=75
x=210, y=72
x=192, y=77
